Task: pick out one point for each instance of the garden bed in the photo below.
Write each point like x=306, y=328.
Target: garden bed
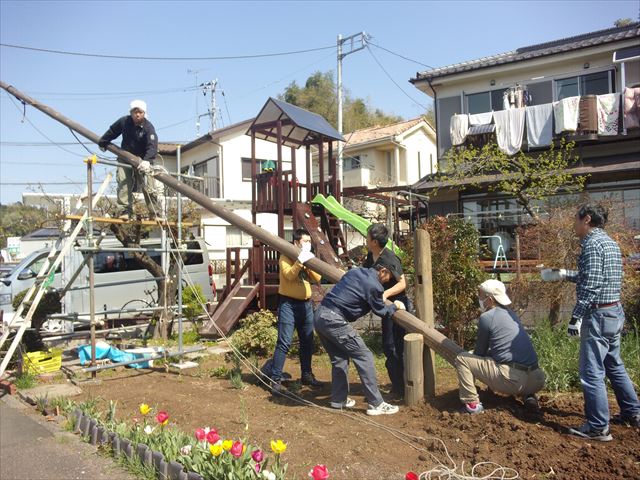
x=353, y=448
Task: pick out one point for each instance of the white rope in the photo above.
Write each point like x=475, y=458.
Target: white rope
x=441, y=471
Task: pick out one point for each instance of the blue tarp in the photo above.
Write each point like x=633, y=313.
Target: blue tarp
x=104, y=350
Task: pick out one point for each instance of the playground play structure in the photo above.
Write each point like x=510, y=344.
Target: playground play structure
x=276, y=192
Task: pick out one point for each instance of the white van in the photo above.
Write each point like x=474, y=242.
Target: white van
x=121, y=282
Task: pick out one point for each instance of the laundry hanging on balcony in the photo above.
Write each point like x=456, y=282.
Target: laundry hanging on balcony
x=608, y=113
x=539, y=125
x=516, y=97
x=509, y=129
x=565, y=113
x=480, y=118
x=631, y=108
x=458, y=127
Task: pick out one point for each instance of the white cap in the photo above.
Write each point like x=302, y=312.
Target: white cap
x=141, y=104
x=497, y=290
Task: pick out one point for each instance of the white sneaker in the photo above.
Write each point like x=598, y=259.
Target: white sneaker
x=348, y=403
x=383, y=409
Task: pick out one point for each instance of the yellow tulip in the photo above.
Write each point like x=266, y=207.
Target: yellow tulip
x=215, y=450
x=144, y=408
x=227, y=444
x=278, y=446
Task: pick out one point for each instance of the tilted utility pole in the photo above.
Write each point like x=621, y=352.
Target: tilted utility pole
x=353, y=43
x=211, y=88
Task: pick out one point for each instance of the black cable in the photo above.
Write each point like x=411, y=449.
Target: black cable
x=394, y=82
x=398, y=55
x=126, y=57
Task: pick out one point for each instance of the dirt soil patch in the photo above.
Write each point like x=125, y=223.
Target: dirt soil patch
x=354, y=447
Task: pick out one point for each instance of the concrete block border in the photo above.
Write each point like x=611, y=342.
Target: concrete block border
x=91, y=431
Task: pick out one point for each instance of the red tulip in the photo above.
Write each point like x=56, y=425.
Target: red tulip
x=258, y=467
x=411, y=476
x=162, y=418
x=258, y=455
x=212, y=437
x=319, y=472
x=236, y=449
x=200, y=435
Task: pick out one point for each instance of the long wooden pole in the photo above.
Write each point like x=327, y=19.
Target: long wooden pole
x=447, y=348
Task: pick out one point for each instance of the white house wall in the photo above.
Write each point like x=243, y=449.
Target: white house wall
x=419, y=142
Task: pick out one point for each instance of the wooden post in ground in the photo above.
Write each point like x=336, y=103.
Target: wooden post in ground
x=424, y=303
x=413, y=368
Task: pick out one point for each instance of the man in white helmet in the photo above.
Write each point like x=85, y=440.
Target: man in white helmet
x=139, y=138
x=503, y=357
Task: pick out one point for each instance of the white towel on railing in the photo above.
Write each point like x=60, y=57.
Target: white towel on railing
x=509, y=129
x=480, y=118
x=608, y=113
x=459, y=127
x=539, y=125
x=566, y=114
x=631, y=107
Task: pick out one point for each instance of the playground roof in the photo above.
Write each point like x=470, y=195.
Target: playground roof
x=298, y=126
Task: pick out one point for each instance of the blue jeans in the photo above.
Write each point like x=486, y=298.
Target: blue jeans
x=298, y=315
x=393, y=347
x=599, y=357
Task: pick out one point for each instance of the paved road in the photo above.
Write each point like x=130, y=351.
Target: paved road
x=31, y=449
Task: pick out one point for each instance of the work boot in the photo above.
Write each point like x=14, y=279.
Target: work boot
x=310, y=379
x=531, y=403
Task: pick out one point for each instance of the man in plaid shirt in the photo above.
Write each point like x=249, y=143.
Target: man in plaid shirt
x=598, y=318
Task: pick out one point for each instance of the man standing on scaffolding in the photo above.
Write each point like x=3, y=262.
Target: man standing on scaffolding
x=138, y=138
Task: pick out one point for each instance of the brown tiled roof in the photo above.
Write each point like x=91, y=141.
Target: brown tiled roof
x=167, y=148
x=577, y=42
x=365, y=135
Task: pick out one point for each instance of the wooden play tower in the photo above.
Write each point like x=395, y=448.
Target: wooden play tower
x=281, y=192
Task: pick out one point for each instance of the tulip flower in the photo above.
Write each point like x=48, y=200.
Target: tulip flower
x=148, y=429
x=268, y=475
x=411, y=476
x=200, y=435
x=258, y=467
x=186, y=450
x=319, y=472
x=144, y=408
x=215, y=450
x=212, y=437
x=236, y=449
x=258, y=456
x=278, y=446
x=162, y=418
x=227, y=444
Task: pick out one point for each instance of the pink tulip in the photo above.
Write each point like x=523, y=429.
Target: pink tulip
x=212, y=437
x=200, y=434
x=319, y=472
x=258, y=455
x=162, y=418
x=411, y=476
x=236, y=449
x=258, y=467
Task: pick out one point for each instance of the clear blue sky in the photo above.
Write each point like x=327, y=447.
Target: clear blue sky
x=96, y=91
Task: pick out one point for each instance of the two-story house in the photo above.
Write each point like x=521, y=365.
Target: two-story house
x=572, y=80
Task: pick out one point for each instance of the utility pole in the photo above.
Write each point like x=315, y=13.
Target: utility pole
x=211, y=88
x=353, y=43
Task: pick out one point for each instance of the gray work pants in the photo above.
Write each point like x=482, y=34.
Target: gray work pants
x=343, y=343
x=127, y=180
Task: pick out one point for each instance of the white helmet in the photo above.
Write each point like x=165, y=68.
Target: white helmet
x=141, y=104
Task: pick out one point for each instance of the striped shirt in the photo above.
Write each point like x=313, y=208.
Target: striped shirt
x=599, y=276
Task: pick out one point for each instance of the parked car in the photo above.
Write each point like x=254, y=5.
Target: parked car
x=121, y=282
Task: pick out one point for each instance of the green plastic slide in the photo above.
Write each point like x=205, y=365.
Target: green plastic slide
x=360, y=224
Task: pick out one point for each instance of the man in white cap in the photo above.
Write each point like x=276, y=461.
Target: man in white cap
x=139, y=138
x=503, y=357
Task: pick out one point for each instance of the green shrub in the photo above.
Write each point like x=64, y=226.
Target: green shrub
x=456, y=274
x=257, y=334
x=558, y=356
x=192, y=300
x=49, y=303
x=25, y=381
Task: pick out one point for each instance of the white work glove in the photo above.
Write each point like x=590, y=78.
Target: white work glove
x=144, y=167
x=306, y=247
x=399, y=305
x=305, y=256
x=574, y=327
x=553, y=274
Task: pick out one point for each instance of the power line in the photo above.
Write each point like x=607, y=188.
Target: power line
x=399, y=55
x=394, y=82
x=147, y=92
x=127, y=57
x=40, y=183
